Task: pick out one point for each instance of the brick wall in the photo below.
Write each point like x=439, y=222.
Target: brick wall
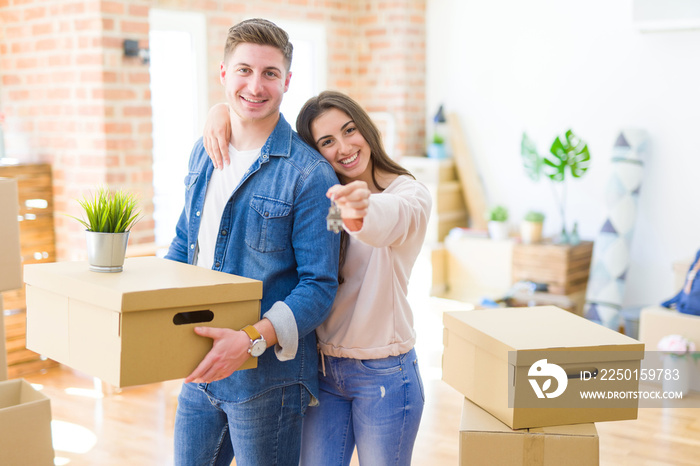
x=391, y=67
x=72, y=99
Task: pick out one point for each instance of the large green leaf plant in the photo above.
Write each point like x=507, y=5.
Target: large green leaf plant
x=568, y=155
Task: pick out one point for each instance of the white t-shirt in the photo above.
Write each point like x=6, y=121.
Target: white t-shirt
x=219, y=190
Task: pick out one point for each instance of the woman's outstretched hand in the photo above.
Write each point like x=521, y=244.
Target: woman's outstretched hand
x=217, y=134
x=353, y=201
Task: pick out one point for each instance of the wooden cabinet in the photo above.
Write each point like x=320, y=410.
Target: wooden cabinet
x=37, y=244
x=564, y=268
x=471, y=269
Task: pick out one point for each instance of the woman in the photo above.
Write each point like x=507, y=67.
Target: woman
x=371, y=393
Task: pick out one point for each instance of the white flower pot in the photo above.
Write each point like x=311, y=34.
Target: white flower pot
x=530, y=232
x=498, y=230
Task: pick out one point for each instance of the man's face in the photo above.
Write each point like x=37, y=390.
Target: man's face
x=255, y=79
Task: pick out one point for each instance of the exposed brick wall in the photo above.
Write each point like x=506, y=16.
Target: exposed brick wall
x=391, y=67
x=127, y=96
x=72, y=99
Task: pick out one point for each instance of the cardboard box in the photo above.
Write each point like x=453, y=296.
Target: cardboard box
x=133, y=327
x=448, y=197
x=10, y=257
x=25, y=425
x=680, y=274
x=448, y=209
x=491, y=356
x=439, y=226
x=438, y=261
x=429, y=170
x=655, y=322
x=477, y=268
x=486, y=441
x=3, y=349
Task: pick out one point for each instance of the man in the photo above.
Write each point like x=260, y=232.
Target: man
x=263, y=217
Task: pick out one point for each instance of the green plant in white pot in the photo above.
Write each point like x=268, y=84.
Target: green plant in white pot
x=531, y=227
x=497, y=218
x=568, y=154
x=109, y=217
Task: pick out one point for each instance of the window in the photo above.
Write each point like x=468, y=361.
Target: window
x=309, y=66
x=178, y=67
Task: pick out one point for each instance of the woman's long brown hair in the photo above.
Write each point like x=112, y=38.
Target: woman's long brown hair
x=380, y=160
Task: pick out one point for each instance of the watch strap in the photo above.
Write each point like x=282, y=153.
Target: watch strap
x=252, y=332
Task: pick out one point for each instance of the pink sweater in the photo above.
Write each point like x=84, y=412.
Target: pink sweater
x=371, y=317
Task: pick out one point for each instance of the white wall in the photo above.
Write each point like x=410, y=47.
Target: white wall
x=543, y=66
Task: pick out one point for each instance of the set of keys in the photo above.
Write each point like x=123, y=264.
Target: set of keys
x=334, y=222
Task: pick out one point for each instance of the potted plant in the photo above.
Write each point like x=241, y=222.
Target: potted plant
x=437, y=149
x=568, y=154
x=497, y=218
x=531, y=227
x=109, y=217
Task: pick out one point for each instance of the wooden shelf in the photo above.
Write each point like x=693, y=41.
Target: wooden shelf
x=37, y=244
x=563, y=267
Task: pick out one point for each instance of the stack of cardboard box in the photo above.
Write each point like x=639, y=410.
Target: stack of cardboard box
x=522, y=371
x=440, y=177
x=25, y=413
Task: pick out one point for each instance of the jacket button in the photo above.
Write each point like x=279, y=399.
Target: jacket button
x=198, y=213
x=223, y=232
x=217, y=265
x=191, y=246
x=266, y=214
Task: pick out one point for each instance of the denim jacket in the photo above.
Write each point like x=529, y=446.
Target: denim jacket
x=272, y=229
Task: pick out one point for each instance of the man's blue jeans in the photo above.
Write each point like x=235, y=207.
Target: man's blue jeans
x=374, y=403
x=263, y=431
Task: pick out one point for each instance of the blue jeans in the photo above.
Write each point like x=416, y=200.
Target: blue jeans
x=260, y=432
x=375, y=404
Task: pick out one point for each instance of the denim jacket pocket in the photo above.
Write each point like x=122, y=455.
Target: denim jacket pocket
x=269, y=224
x=190, y=181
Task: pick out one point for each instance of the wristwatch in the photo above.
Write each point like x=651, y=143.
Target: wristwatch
x=258, y=345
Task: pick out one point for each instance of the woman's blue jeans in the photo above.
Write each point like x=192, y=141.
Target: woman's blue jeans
x=260, y=432
x=375, y=404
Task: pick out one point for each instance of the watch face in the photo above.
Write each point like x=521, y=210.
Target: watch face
x=258, y=348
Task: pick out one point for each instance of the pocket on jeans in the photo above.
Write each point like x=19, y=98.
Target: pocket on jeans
x=419, y=378
x=384, y=366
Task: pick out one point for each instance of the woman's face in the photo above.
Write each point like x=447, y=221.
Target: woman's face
x=339, y=141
